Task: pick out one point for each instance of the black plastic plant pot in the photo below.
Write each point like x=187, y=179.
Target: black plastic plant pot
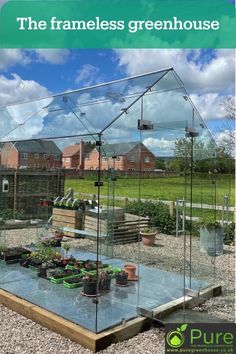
x=35, y=263
x=42, y=273
x=59, y=263
x=89, y=287
x=25, y=263
x=122, y=279
x=105, y=285
x=56, y=243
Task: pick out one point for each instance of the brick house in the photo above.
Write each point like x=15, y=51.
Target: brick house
x=1, y=145
x=73, y=156
x=31, y=154
x=123, y=157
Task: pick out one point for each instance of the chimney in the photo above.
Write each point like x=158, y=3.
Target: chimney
x=81, y=155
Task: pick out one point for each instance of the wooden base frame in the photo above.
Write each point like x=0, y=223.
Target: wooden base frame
x=93, y=341
x=76, y=333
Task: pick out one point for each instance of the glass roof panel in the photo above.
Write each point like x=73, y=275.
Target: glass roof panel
x=158, y=97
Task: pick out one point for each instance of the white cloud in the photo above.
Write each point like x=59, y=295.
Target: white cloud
x=226, y=138
x=52, y=56
x=11, y=57
x=209, y=105
x=17, y=90
x=162, y=143
x=88, y=75
x=216, y=75
x=208, y=80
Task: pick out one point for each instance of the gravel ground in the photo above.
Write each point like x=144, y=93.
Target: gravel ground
x=20, y=335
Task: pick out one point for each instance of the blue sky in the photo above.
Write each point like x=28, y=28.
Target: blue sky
x=61, y=77
x=208, y=75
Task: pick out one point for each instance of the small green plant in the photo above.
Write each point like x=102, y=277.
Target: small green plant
x=3, y=248
x=44, y=251
x=56, y=204
x=209, y=223
x=69, y=205
x=149, y=230
x=66, y=247
x=229, y=234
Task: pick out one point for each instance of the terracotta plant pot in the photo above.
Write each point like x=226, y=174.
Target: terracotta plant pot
x=130, y=269
x=148, y=239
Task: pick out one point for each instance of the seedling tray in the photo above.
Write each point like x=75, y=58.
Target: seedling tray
x=60, y=280
x=10, y=261
x=72, y=286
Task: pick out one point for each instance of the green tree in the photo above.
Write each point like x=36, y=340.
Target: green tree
x=206, y=157
x=160, y=164
x=229, y=124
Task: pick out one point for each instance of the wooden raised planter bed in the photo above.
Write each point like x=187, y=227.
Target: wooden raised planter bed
x=73, y=219
x=124, y=228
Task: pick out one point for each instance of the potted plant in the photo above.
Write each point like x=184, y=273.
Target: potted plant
x=56, y=240
x=130, y=269
x=35, y=260
x=104, y=284
x=43, y=270
x=90, y=285
x=148, y=236
x=211, y=236
x=122, y=278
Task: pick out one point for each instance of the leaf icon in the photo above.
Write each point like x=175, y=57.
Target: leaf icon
x=175, y=341
x=183, y=327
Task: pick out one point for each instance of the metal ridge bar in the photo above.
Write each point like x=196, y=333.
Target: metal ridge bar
x=49, y=138
x=88, y=88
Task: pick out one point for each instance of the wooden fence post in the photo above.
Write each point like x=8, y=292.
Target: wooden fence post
x=171, y=208
x=126, y=202
x=15, y=192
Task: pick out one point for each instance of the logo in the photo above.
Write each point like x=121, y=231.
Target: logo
x=176, y=339
x=199, y=338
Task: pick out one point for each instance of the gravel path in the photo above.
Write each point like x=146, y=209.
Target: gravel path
x=20, y=335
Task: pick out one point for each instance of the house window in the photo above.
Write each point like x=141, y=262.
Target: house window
x=118, y=158
x=131, y=169
x=36, y=156
x=5, y=186
x=104, y=158
x=131, y=159
x=24, y=156
x=146, y=159
x=56, y=157
x=87, y=158
x=45, y=156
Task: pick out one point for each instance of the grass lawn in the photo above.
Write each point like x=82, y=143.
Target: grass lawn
x=168, y=188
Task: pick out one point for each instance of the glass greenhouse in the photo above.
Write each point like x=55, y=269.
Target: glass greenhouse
x=125, y=127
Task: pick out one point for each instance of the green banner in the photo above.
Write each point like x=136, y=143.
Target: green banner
x=118, y=24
